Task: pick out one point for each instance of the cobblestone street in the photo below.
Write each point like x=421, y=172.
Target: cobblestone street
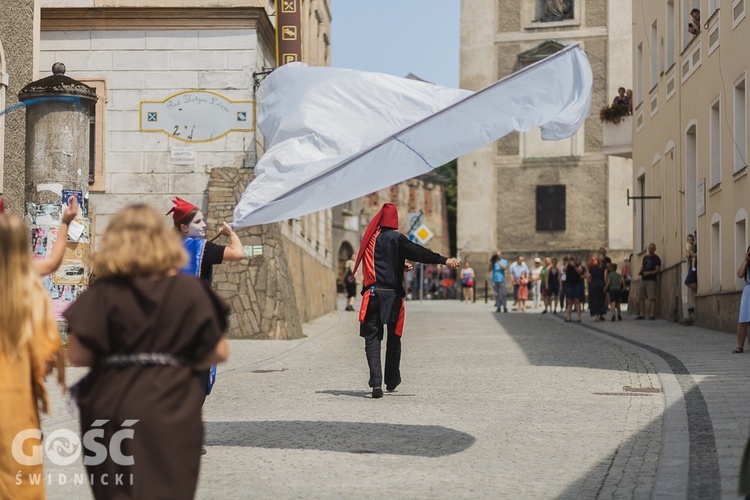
x=491, y=406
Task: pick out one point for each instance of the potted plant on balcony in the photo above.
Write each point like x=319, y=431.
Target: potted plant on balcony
x=614, y=113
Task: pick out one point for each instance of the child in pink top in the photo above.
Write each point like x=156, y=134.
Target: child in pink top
x=523, y=291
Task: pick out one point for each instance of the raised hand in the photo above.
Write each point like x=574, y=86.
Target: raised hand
x=71, y=212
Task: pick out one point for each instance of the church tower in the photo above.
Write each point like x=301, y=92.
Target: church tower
x=537, y=198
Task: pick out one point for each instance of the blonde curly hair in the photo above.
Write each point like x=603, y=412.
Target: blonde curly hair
x=138, y=243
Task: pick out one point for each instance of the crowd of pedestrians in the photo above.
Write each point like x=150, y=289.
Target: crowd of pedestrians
x=439, y=282
x=565, y=285
x=550, y=285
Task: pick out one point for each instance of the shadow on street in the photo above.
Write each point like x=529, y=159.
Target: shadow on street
x=346, y=437
x=362, y=394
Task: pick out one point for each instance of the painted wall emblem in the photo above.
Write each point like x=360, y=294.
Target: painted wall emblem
x=197, y=116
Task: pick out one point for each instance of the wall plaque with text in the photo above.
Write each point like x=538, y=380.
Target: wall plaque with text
x=197, y=116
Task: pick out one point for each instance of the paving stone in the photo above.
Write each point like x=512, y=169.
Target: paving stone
x=491, y=406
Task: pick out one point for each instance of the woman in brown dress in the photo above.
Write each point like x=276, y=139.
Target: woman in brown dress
x=146, y=331
x=29, y=346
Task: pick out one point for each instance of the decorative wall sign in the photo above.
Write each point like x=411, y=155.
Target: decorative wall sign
x=197, y=116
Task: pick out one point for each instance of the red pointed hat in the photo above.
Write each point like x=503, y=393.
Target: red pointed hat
x=386, y=217
x=180, y=209
x=2, y=206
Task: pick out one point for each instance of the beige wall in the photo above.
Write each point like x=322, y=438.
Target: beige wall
x=314, y=282
x=476, y=175
x=316, y=32
x=703, y=76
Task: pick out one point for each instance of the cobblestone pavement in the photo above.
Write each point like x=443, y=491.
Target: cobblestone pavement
x=491, y=406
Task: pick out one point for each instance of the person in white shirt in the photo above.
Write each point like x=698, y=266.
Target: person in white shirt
x=536, y=281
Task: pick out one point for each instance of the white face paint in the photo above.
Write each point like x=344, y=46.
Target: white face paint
x=197, y=227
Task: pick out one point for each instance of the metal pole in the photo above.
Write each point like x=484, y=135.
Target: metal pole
x=486, y=291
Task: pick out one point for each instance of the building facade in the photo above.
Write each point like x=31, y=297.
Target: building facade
x=531, y=197
x=147, y=60
x=690, y=141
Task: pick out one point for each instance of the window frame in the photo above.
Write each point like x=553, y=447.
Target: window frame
x=100, y=86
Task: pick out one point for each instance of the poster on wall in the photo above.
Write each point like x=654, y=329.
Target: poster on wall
x=71, y=278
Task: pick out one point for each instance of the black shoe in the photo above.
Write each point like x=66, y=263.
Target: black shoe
x=203, y=450
x=392, y=387
x=377, y=392
x=613, y=318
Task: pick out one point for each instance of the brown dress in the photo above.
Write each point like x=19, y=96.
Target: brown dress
x=175, y=315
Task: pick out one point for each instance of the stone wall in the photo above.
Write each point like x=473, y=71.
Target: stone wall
x=260, y=289
x=718, y=311
x=17, y=37
x=715, y=311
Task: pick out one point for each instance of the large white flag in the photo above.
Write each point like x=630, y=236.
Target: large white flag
x=336, y=134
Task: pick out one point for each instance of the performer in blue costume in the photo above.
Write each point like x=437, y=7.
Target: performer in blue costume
x=203, y=255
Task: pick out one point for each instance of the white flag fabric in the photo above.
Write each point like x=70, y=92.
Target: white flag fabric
x=336, y=134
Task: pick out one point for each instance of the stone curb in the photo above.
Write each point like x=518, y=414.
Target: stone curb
x=674, y=462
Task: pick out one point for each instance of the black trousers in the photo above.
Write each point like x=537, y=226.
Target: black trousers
x=372, y=330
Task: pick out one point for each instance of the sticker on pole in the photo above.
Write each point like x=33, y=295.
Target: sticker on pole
x=423, y=234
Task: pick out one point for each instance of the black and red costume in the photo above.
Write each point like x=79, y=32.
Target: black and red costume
x=383, y=253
